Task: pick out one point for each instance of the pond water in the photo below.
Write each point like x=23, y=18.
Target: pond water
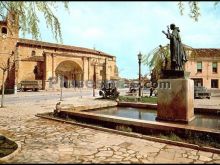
x=205, y=121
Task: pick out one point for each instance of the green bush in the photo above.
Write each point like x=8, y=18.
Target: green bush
x=123, y=128
x=6, y=146
x=7, y=91
x=171, y=136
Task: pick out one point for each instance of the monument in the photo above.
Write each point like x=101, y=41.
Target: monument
x=175, y=90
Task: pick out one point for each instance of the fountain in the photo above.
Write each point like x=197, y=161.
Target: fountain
x=174, y=112
x=175, y=89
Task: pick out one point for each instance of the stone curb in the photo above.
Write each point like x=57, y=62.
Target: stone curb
x=13, y=154
x=215, y=111
x=138, y=105
x=136, y=135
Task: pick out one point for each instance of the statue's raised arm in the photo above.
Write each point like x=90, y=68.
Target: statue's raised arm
x=168, y=34
x=165, y=33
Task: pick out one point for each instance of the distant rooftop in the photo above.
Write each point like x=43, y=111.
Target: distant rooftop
x=60, y=46
x=206, y=52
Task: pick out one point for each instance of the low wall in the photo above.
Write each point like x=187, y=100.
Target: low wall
x=197, y=110
x=137, y=105
x=142, y=126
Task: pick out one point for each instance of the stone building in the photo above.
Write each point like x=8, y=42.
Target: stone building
x=51, y=63
x=204, y=67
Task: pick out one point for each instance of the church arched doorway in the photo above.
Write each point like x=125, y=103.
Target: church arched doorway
x=71, y=73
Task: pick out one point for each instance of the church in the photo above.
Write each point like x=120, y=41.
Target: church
x=52, y=65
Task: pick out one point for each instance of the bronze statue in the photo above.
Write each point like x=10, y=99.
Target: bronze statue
x=177, y=52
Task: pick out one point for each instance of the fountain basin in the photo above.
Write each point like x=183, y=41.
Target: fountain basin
x=145, y=124
x=145, y=127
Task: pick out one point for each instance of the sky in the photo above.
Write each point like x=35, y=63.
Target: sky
x=123, y=29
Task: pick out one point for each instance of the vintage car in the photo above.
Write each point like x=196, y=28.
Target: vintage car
x=30, y=85
x=109, y=90
x=201, y=92
x=133, y=88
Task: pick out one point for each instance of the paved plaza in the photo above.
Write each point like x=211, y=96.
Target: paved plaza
x=47, y=141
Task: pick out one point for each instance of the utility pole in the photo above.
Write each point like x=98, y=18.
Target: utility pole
x=95, y=62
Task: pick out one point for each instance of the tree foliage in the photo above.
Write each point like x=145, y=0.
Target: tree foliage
x=156, y=59
x=5, y=66
x=194, y=9
x=159, y=58
x=28, y=12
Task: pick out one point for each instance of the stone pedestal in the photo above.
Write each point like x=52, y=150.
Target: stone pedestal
x=175, y=100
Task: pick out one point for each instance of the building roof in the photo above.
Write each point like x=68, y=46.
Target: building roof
x=206, y=52
x=3, y=23
x=60, y=46
x=34, y=58
x=114, y=77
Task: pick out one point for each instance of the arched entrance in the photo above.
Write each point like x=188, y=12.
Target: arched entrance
x=71, y=74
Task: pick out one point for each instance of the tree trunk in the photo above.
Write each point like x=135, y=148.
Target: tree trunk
x=61, y=94
x=61, y=87
x=3, y=90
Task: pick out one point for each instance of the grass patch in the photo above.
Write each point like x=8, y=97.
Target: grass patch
x=7, y=91
x=145, y=99
x=6, y=146
x=171, y=136
x=123, y=128
x=198, y=139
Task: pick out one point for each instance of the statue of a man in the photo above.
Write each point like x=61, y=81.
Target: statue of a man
x=177, y=53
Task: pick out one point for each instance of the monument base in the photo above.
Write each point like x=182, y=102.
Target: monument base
x=175, y=100
x=174, y=74
x=174, y=120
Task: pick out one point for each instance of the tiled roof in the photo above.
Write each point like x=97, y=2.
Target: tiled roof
x=34, y=58
x=114, y=77
x=60, y=46
x=3, y=23
x=206, y=52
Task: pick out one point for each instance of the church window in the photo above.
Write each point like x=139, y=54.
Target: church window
x=33, y=53
x=4, y=30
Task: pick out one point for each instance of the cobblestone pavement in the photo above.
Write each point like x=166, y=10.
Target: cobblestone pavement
x=47, y=141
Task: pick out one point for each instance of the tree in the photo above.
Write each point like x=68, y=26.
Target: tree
x=158, y=59
x=194, y=9
x=5, y=67
x=28, y=12
x=144, y=80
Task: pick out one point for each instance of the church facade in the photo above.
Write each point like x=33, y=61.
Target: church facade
x=51, y=64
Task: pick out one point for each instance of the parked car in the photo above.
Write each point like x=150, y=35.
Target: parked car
x=109, y=90
x=201, y=92
x=133, y=88
x=30, y=85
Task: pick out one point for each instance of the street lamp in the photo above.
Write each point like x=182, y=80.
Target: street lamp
x=94, y=62
x=139, y=62
x=61, y=87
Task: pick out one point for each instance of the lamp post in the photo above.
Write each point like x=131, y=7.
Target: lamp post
x=61, y=87
x=94, y=80
x=95, y=63
x=139, y=62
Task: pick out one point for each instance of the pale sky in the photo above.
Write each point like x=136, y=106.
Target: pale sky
x=124, y=28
